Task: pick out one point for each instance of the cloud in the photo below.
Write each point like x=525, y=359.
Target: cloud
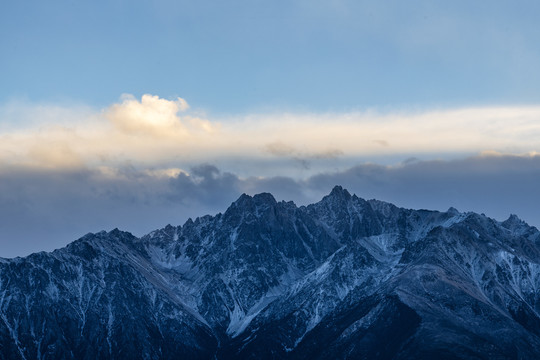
x=153, y=132
x=151, y=115
x=278, y=148
x=144, y=132
x=205, y=184
x=281, y=149
x=328, y=154
x=301, y=158
x=142, y=163
x=468, y=130
x=381, y=142
x=154, y=116
x=495, y=184
x=43, y=209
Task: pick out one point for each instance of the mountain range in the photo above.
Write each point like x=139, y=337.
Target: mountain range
x=344, y=278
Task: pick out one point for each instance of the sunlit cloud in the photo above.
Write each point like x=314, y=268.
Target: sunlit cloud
x=150, y=116
x=157, y=134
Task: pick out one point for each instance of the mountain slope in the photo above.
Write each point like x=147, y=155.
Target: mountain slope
x=342, y=278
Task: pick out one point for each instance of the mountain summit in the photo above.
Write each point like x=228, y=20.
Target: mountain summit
x=341, y=278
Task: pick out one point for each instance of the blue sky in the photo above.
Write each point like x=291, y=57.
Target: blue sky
x=149, y=112
x=241, y=56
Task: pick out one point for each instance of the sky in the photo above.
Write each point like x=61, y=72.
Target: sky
x=138, y=114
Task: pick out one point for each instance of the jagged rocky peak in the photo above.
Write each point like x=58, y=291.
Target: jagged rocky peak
x=264, y=198
x=339, y=191
x=189, y=222
x=103, y=237
x=512, y=222
x=246, y=200
x=339, y=200
x=254, y=207
x=338, y=194
x=247, y=203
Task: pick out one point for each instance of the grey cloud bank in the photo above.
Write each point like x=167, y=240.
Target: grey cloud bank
x=43, y=210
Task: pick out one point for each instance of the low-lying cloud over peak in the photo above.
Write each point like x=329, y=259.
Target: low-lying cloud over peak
x=46, y=209
x=140, y=164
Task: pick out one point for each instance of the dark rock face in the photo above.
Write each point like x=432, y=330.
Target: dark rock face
x=342, y=278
